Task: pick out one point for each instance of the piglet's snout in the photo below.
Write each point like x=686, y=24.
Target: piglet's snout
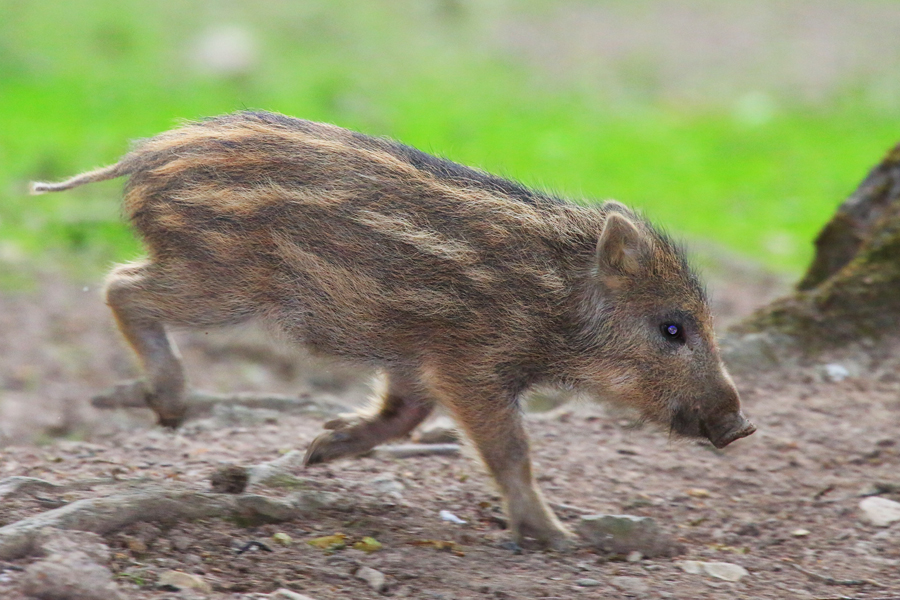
x=723, y=432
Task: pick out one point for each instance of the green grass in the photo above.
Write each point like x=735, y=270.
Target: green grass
x=78, y=80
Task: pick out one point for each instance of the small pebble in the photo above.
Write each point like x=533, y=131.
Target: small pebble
x=183, y=581
x=69, y=576
x=835, y=372
x=374, y=578
x=587, y=582
x=719, y=570
x=180, y=541
x=282, y=539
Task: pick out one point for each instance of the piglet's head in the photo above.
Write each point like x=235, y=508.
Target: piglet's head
x=647, y=334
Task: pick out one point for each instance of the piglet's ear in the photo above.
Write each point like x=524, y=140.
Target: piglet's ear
x=622, y=247
x=616, y=206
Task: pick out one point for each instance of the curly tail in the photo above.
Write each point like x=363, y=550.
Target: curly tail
x=102, y=174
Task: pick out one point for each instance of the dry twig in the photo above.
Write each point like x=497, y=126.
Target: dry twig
x=412, y=450
x=832, y=581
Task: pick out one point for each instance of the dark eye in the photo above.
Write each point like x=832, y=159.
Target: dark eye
x=673, y=332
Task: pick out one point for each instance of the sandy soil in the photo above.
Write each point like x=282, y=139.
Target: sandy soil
x=786, y=496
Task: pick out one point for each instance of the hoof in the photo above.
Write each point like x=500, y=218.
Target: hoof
x=557, y=540
x=169, y=414
x=512, y=546
x=562, y=545
x=170, y=419
x=334, y=444
x=350, y=434
x=169, y=422
x=321, y=449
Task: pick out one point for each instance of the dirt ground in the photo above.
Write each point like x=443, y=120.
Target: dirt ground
x=785, y=497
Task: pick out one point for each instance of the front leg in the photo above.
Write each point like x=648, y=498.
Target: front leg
x=493, y=421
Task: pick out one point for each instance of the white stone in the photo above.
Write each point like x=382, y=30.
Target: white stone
x=835, y=373
x=726, y=571
x=879, y=512
x=446, y=515
x=692, y=567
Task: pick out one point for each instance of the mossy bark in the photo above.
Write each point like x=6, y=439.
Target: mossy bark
x=851, y=291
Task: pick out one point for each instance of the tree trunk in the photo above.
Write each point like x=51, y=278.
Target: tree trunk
x=851, y=292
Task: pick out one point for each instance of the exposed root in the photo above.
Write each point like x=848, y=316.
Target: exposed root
x=132, y=394
x=159, y=504
x=21, y=486
x=168, y=504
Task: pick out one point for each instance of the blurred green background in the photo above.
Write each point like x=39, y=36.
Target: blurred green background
x=743, y=123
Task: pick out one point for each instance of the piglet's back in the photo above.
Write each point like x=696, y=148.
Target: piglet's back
x=321, y=227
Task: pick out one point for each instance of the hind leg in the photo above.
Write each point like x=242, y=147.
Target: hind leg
x=403, y=407
x=143, y=297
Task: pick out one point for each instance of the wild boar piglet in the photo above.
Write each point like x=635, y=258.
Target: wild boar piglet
x=464, y=289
